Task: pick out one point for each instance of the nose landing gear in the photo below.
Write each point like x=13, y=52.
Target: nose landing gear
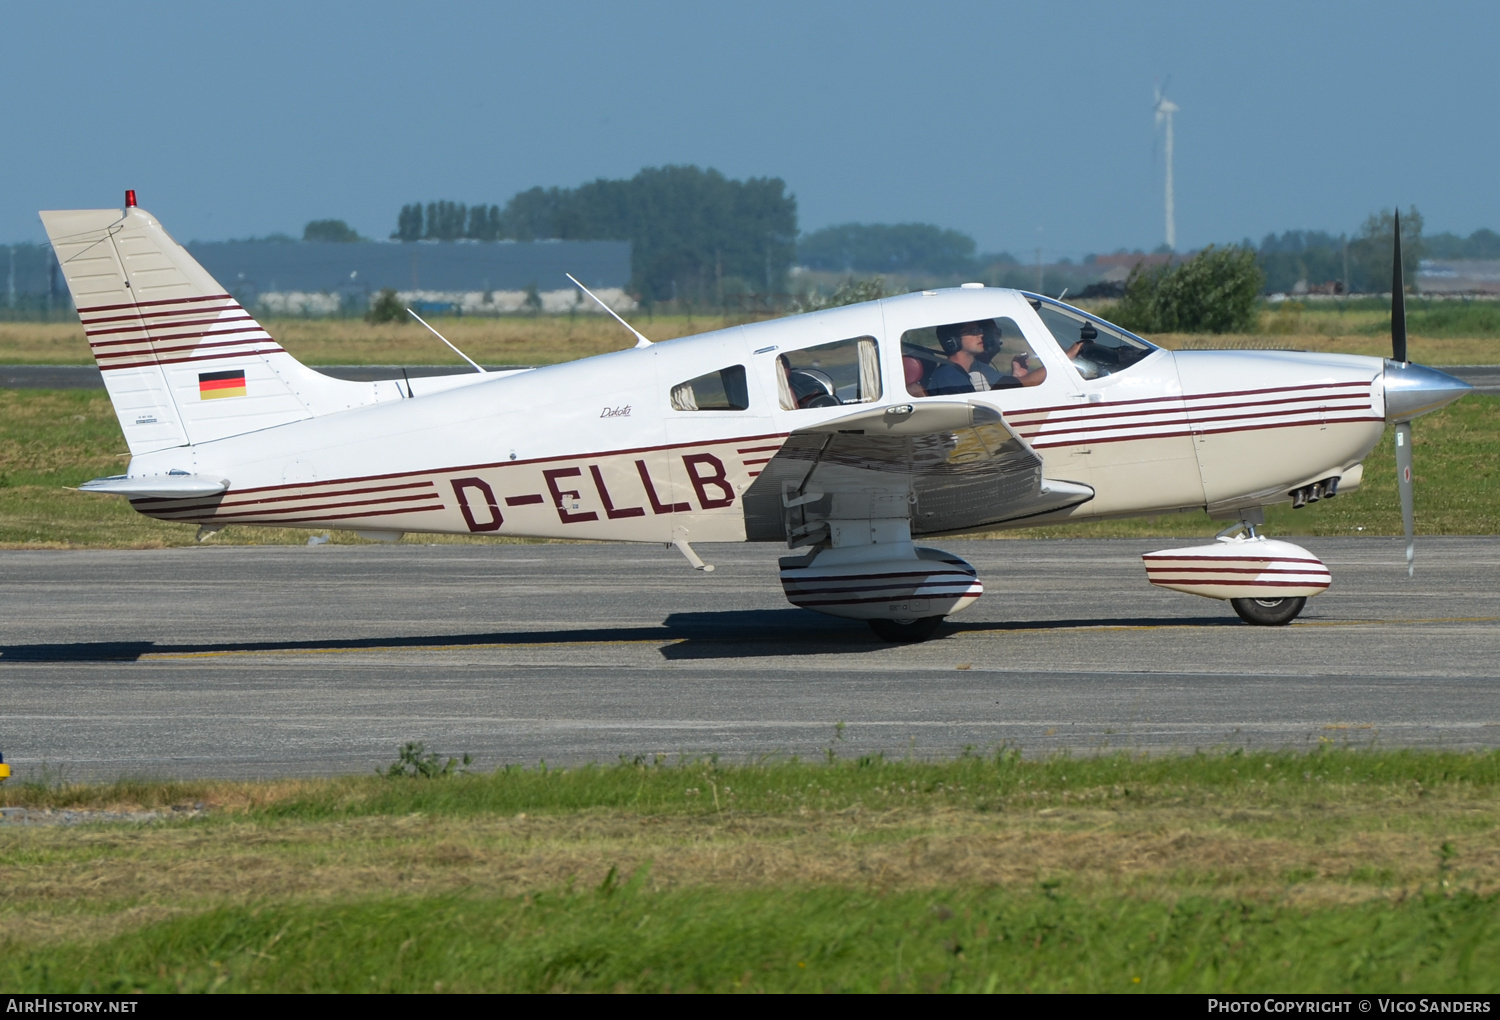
x=1269, y=612
x=1268, y=582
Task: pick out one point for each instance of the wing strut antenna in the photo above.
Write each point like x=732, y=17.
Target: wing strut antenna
x=477, y=367
x=640, y=339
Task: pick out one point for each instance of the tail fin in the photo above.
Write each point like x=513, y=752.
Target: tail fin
x=182, y=361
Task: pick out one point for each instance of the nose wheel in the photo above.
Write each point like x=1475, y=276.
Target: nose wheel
x=1269, y=612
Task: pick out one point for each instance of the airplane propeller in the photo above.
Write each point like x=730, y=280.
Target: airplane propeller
x=1410, y=390
x=1403, y=428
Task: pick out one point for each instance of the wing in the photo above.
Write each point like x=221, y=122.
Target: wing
x=944, y=465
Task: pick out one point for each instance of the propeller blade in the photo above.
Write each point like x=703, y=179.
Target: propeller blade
x=1398, y=301
x=1403, y=484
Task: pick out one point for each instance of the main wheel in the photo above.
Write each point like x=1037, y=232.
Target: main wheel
x=1268, y=612
x=906, y=632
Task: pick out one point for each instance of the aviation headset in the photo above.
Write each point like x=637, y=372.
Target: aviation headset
x=950, y=336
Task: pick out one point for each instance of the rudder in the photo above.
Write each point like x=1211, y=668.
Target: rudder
x=183, y=362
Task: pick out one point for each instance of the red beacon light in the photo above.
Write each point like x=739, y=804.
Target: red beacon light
x=130, y=199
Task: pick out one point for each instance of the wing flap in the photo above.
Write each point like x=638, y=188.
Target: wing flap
x=944, y=465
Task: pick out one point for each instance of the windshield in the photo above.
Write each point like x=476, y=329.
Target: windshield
x=1095, y=347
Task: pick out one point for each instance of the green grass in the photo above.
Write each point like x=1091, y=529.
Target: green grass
x=52, y=439
x=706, y=787
x=627, y=938
x=1427, y=317
x=971, y=783
x=978, y=782
x=1339, y=870
x=1446, y=319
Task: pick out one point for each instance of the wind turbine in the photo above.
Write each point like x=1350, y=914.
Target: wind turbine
x=1164, y=110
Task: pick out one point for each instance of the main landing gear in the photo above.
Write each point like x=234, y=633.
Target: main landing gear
x=902, y=591
x=906, y=632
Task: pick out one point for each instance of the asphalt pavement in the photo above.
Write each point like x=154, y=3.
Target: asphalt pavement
x=277, y=661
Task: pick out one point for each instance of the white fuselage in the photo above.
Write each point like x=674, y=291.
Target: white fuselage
x=594, y=449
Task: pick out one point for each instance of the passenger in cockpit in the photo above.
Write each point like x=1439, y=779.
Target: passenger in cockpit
x=970, y=346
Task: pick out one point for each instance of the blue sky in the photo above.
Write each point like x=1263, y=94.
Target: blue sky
x=1021, y=124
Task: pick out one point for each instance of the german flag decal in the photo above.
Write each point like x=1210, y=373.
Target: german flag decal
x=213, y=385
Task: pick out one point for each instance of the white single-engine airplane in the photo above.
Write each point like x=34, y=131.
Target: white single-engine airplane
x=846, y=433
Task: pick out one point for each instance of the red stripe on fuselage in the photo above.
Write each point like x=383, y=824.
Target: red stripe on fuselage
x=265, y=512
x=155, y=304
x=144, y=327
x=145, y=320
x=1195, y=396
x=291, y=499
x=1082, y=422
x=184, y=361
x=169, y=337
x=1038, y=445
x=451, y=469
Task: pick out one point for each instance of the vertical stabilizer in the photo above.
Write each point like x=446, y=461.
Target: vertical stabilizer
x=182, y=361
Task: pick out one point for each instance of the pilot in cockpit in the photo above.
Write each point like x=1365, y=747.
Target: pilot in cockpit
x=970, y=347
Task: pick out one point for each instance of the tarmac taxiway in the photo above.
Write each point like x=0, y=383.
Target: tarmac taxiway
x=275, y=661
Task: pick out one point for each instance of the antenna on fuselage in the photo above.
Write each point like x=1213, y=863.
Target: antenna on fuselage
x=640, y=339
x=477, y=367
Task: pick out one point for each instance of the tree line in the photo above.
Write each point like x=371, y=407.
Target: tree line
x=695, y=234
x=882, y=248
x=700, y=237
x=449, y=221
x=1359, y=264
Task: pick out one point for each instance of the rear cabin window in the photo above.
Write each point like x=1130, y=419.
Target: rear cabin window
x=843, y=372
x=968, y=357
x=724, y=390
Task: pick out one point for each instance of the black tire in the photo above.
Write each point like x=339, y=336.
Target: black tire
x=1268, y=612
x=907, y=633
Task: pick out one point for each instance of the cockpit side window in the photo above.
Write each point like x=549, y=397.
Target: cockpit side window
x=724, y=390
x=843, y=372
x=1095, y=348
x=968, y=357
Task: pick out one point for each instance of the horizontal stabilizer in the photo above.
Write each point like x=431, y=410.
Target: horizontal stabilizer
x=159, y=486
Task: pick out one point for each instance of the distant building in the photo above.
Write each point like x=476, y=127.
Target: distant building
x=32, y=278
x=1117, y=268
x=1459, y=276
x=294, y=277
